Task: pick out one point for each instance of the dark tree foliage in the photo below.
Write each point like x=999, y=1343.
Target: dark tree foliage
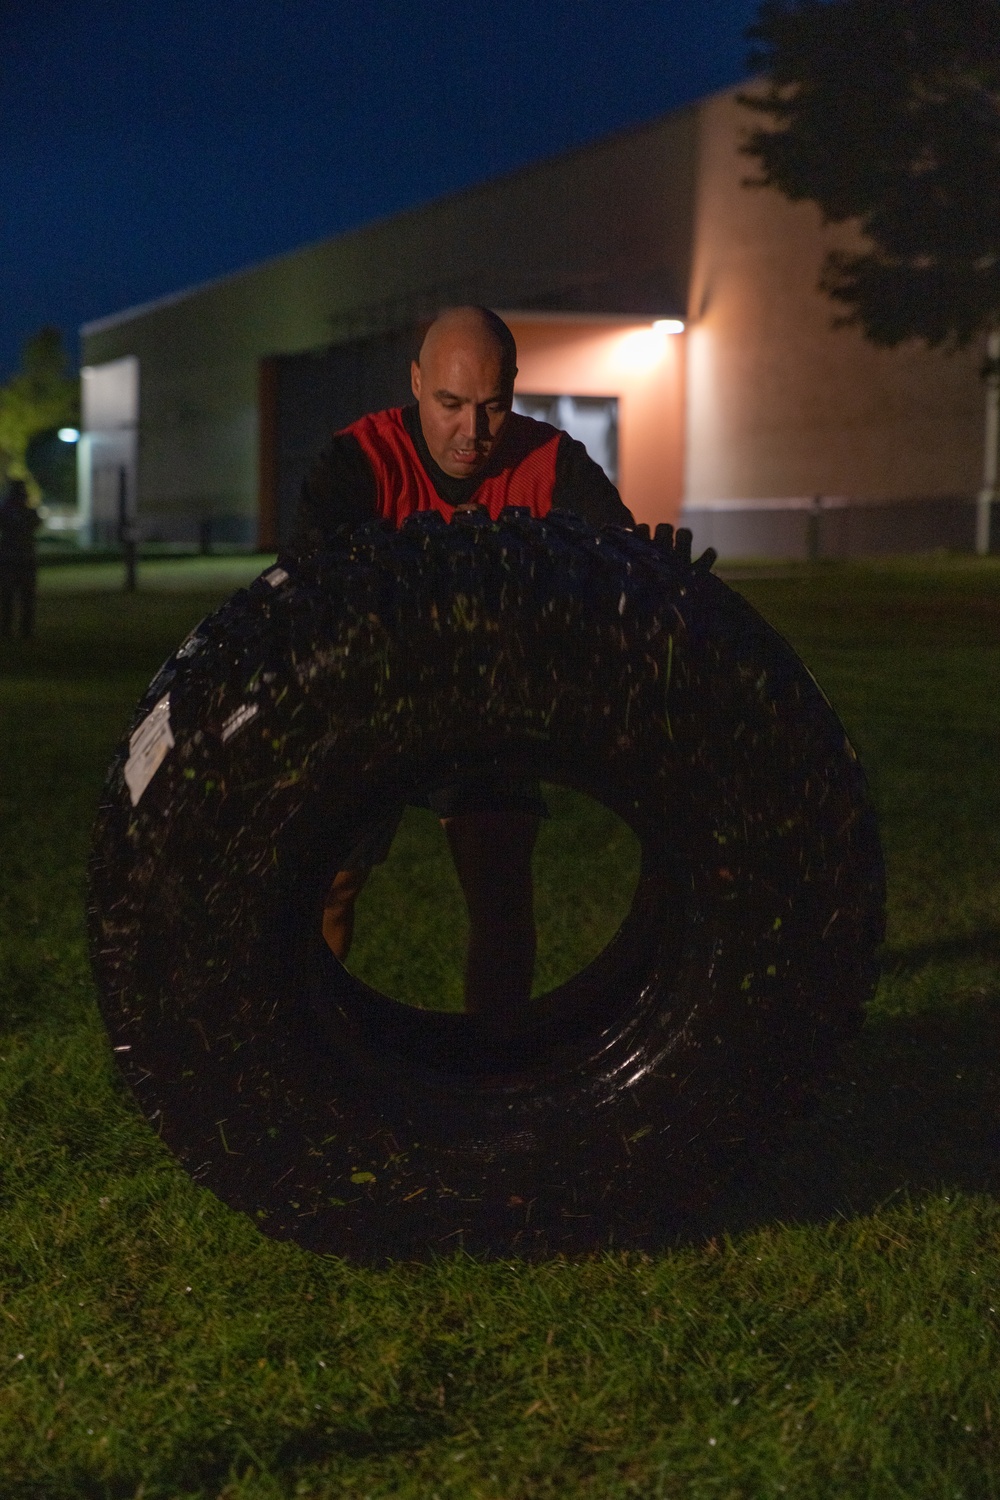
x=888, y=112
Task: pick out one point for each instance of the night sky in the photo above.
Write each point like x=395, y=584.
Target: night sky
x=147, y=145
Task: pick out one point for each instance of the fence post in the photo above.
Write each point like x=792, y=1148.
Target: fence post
x=126, y=532
x=813, y=547
x=987, y=495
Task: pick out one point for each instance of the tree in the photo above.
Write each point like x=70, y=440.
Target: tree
x=887, y=112
x=41, y=396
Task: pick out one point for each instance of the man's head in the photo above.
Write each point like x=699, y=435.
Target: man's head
x=464, y=384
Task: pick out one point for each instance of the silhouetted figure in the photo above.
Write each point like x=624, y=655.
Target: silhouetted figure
x=18, y=524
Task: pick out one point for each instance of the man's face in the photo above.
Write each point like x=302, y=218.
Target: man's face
x=464, y=402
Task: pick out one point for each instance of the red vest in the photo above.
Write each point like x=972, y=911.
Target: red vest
x=526, y=450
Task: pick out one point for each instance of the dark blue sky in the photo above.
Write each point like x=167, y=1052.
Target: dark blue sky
x=146, y=145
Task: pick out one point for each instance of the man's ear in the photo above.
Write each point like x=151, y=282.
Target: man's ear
x=509, y=392
x=415, y=378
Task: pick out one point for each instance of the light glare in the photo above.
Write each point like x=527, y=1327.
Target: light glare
x=641, y=350
x=68, y=435
x=668, y=325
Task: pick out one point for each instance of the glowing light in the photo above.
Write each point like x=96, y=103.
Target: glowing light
x=641, y=349
x=668, y=325
x=68, y=435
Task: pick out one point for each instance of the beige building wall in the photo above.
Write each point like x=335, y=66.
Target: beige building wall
x=780, y=404
x=611, y=221
x=777, y=403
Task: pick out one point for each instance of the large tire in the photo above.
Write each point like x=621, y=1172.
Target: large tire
x=605, y=662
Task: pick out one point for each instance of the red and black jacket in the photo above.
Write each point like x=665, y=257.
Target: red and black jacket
x=380, y=466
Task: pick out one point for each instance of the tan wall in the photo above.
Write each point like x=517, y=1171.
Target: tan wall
x=781, y=404
x=778, y=403
x=645, y=370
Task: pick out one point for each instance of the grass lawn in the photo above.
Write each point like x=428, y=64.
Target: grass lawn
x=836, y=1332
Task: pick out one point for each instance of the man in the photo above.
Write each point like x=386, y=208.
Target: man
x=461, y=446
x=18, y=564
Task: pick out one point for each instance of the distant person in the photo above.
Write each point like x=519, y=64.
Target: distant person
x=18, y=565
x=457, y=448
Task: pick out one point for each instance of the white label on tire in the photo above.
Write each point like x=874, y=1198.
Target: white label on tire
x=147, y=748
x=237, y=719
x=276, y=577
x=193, y=643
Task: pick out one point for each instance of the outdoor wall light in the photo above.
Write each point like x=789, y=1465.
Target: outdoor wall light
x=68, y=435
x=641, y=349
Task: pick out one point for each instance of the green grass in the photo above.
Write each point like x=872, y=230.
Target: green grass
x=836, y=1334
x=411, y=926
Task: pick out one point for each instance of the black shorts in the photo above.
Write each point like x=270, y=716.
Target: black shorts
x=486, y=793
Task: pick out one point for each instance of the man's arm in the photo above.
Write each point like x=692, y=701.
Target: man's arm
x=583, y=487
x=339, y=489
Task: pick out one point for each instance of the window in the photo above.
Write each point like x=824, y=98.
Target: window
x=593, y=420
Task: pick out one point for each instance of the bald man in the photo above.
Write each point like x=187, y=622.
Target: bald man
x=458, y=447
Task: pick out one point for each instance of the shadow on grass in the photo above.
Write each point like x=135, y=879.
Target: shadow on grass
x=976, y=945
x=268, y=1452
x=915, y=1108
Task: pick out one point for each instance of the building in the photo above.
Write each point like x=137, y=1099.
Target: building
x=766, y=430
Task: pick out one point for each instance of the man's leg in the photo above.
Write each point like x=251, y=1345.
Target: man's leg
x=492, y=853
x=348, y=883
x=338, y=910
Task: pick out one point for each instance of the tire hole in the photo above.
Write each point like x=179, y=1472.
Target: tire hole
x=411, y=920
